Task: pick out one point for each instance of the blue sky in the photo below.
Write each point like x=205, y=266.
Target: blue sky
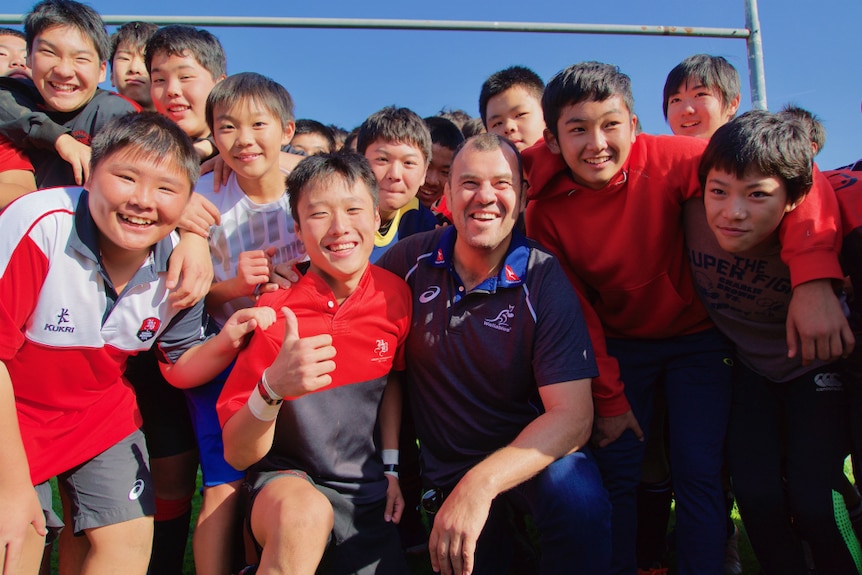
x=812, y=57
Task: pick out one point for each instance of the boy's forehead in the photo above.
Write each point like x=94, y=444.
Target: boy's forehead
x=167, y=166
x=323, y=190
x=163, y=60
x=515, y=95
x=610, y=105
x=239, y=106
x=395, y=147
x=67, y=36
x=12, y=40
x=129, y=48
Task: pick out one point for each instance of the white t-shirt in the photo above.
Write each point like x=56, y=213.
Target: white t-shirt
x=247, y=226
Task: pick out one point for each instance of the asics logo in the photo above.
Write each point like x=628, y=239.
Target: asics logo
x=429, y=294
x=137, y=490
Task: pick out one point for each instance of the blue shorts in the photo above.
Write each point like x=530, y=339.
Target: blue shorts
x=202, y=406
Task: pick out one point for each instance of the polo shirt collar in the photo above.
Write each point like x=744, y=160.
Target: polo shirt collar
x=513, y=273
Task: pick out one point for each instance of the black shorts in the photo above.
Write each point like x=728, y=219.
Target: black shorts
x=167, y=423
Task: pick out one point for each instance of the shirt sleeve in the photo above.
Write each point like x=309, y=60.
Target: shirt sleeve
x=811, y=235
x=12, y=157
x=20, y=120
x=21, y=280
x=184, y=331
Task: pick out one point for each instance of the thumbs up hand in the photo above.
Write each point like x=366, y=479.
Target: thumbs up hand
x=302, y=365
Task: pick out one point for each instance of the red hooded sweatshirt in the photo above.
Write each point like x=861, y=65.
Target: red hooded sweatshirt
x=623, y=246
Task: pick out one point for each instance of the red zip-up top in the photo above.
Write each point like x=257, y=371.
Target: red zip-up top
x=623, y=246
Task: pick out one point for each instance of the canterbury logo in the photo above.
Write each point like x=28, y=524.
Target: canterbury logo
x=828, y=382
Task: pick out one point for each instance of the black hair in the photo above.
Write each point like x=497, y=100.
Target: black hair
x=253, y=87
x=815, y=129
x=444, y=132
x=713, y=72
x=132, y=34
x=473, y=128
x=4, y=31
x=499, y=82
x=395, y=125
x=587, y=81
x=322, y=168
x=52, y=13
x=764, y=142
x=150, y=135
x=456, y=116
x=181, y=40
x=306, y=126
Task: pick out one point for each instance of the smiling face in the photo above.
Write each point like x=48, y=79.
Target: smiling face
x=436, y=176
x=13, y=57
x=744, y=213
x=595, y=139
x=135, y=201
x=399, y=169
x=695, y=110
x=180, y=86
x=485, y=197
x=336, y=223
x=249, y=138
x=516, y=115
x=65, y=67
x=129, y=75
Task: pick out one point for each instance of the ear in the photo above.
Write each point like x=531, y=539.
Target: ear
x=297, y=230
x=103, y=71
x=289, y=131
x=634, y=127
x=377, y=220
x=551, y=141
x=732, y=107
x=522, y=202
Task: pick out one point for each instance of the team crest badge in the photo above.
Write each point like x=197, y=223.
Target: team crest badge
x=149, y=328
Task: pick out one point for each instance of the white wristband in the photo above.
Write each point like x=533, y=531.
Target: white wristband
x=260, y=408
x=390, y=456
x=269, y=391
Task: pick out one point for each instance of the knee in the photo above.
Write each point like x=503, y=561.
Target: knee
x=129, y=543
x=286, y=516
x=571, y=492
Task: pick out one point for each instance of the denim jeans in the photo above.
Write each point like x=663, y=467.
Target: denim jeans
x=570, y=509
x=696, y=372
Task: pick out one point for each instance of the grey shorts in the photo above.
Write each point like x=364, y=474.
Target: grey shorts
x=113, y=487
x=361, y=542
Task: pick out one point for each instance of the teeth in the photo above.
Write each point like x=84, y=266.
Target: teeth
x=342, y=247
x=484, y=217
x=63, y=87
x=137, y=221
x=597, y=161
x=178, y=108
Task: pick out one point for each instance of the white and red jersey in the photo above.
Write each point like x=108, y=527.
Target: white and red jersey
x=65, y=334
